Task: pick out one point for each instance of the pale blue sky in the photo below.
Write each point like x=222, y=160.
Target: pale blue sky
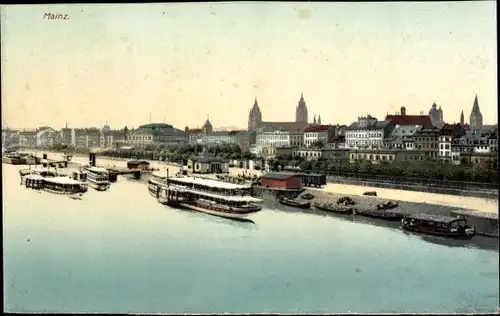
x=117, y=63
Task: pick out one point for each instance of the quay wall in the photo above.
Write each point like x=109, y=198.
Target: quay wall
x=485, y=225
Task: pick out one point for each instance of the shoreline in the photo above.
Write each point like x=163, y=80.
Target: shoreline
x=424, y=198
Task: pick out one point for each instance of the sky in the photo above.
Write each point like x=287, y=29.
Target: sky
x=180, y=63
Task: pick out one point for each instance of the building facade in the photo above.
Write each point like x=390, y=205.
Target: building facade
x=367, y=132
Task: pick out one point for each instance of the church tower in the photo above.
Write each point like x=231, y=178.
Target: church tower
x=476, y=118
x=462, y=120
x=207, y=127
x=255, y=117
x=314, y=119
x=319, y=119
x=301, y=110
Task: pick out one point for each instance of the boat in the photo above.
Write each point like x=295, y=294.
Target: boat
x=98, y=178
x=334, y=208
x=156, y=178
x=58, y=185
x=39, y=170
x=381, y=214
x=294, y=203
x=387, y=205
x=370, y=193
x=14, y=158
x=438, y=225
x=208, y=196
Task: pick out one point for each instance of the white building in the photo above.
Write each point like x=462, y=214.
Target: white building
x=315, y=134
x=267, y=137
x=367, y=132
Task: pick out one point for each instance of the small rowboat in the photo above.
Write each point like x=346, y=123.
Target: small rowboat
x=294, y=203
x=334, y=208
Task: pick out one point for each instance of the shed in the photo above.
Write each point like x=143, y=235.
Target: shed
x=313, y=179
x=138, y=164
x=281, y=180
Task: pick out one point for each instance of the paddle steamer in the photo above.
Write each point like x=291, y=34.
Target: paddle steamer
x=98, y=178
x=208, y=196
x=58, y=185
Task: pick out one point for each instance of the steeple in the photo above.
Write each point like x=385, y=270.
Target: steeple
x=301, y=110
x=319, y=119
x=475, y=106
x=476, y=118
x=314, y=119
x=254, y=117
x=462, y=118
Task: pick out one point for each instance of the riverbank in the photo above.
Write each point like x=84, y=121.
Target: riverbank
x=486, y=223
x=472, y=203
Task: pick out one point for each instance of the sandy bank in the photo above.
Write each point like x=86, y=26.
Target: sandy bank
x=424, y=198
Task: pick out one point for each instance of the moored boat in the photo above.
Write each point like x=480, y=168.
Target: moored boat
x=334, y=208
x=381, y=214
x=156, y=179
x=294, y=203
x=208, y=196
x=58, y=185
x=98, y=178
x=438, y=225
x=387, y=205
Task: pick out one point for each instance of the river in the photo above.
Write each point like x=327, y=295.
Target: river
x=120, y=251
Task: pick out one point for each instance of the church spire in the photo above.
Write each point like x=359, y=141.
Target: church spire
x=314, y=119
x=319, y=119
x=462, y=118
x=475, y=107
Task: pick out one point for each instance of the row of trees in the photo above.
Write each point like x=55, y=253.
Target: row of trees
x=480, y=172
x=181, y=152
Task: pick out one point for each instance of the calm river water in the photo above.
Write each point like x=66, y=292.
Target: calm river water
x=121, y=251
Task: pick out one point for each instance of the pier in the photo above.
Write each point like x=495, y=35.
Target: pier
x=114, y=172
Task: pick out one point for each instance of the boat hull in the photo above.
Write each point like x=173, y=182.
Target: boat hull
x=419, y=231
x=199, y=208
x=292, y=204
x=99, y=186
x=343, y=211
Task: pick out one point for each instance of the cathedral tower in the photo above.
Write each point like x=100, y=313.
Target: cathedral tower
x=476, y=118
x=462, y=120
x=255, y=117
x=301, y=111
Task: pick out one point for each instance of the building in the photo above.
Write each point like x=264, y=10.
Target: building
x=386, y=155
x=333, y=154
x=10, y=138
x=281, y=180
x=194, y=135
x=403, y=119
x=436, y=116
x=270, y=137
x=476, y=118
x=28, y=138
x=138, y=164
x=216, y=137
x=255, y=118
x=208, y=165
x=68, y=136
x=446, y=136
x=401, y=137
x=318, y=135
x=427, y=140
x=47, y=137
x=111, y=138
x=244, y=139
x=87, y=137
x=336, y=141
x=367, y=132
x=157, y=134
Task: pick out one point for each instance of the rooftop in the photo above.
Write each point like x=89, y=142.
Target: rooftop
x=377, y=125
x=278, y=175
x=423, y=120
x=433, y=218
x=209, y=183
x=317, y=128
x=62, y=180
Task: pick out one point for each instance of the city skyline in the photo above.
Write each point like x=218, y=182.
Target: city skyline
x=180, y=62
